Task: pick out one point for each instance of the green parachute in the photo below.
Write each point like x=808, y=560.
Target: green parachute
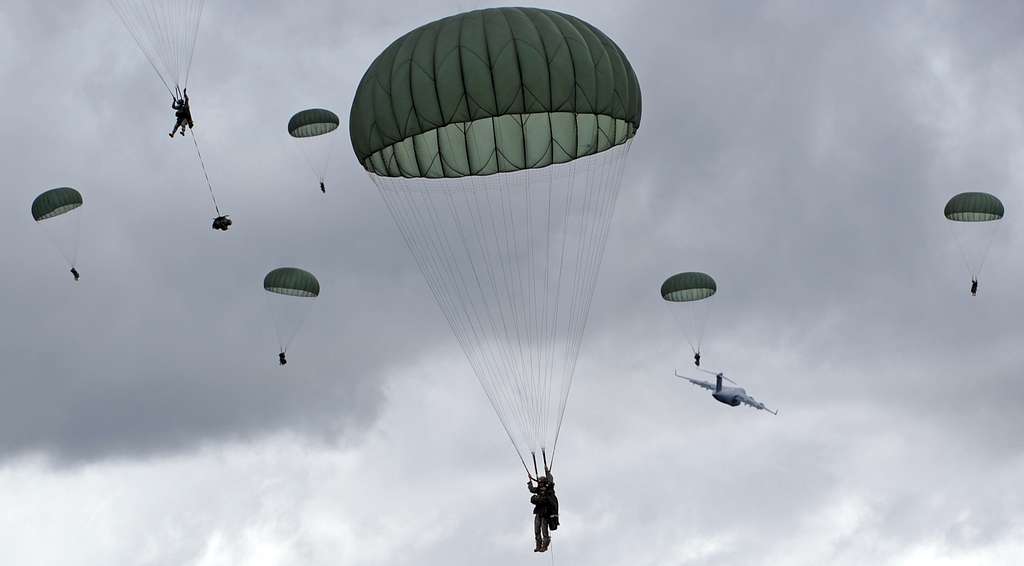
x=293, y=282
x=689, y=286
x=312, y=122
x=691, y=289
x=974, y=217
x=287, y=287
x=497, y=138
x=974, y=207
x=51, y=211
x=308, y=127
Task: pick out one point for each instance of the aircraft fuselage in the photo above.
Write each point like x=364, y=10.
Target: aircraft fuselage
x=729, y=395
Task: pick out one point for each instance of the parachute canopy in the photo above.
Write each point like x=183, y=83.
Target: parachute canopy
x=688, y=286
x=493, y=90
x=974, y=207
x=292, y=281
x=312, y=122
x=498, y=140
x=55, y=202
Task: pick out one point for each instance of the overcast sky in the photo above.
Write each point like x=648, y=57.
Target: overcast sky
x=801, y=152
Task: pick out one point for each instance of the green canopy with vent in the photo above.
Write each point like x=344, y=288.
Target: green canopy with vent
x=312, y=122
x=490, y=91
x=689, y=286
x=55, y=202
x=292, y=281
x=974, y=207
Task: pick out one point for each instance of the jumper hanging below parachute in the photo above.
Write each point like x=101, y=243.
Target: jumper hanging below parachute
x=290, y=292
x=692, y=289
x=51, y=211
x=310, y=129
x=166, y=32
x=977, y=217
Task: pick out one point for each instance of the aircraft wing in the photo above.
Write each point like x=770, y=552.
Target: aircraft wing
x=697, y=382
x=747, y=399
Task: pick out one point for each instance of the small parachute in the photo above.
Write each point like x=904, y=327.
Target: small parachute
x=974, y=217
x=691, y=288
x=312, y=122
x=307, y=127
x=51, y=211
x=287, y=289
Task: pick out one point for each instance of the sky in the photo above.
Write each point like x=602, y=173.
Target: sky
x=801, y=152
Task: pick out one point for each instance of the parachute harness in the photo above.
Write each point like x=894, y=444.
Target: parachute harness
x=512, y=260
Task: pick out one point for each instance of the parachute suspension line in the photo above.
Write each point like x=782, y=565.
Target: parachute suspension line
x=965, y=254
x=401, y=199
x=205, y=174
x=319, y=168
x=64, y=239
x=77, y=232
x=702, y=321
x=515, y=398
x=433, y=264
x=475, y=241
x=963, y=251
x=135, y=36
x=431, y=245
x=199, y=5
x=330, y=152
x=166, y=32
x=988, y=246
x=289, y=317
x=611, y=170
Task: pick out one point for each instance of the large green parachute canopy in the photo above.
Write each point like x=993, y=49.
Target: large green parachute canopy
x=498, y=140
x=494, y=90
x=292, y=281
x=55, y=202
x=974, y=207
x=312, y=122
x=689, y=286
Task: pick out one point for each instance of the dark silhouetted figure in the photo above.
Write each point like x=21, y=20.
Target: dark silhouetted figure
x=75, y=273
x=221, y=223
x=545, y=510
x=281, y=359
x=696, y=359
x=323, y=189
x=974, y=287
x=182, y=114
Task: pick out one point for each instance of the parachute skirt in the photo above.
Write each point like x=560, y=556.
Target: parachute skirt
x=512, y=261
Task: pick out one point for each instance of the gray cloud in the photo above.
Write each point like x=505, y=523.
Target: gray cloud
x=800, y=152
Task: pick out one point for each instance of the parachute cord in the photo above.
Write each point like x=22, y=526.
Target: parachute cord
x=195, y=36
x=963, y=251
x=991, y=239
x=203, y=164
x=142, y=48
x=612, y=173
